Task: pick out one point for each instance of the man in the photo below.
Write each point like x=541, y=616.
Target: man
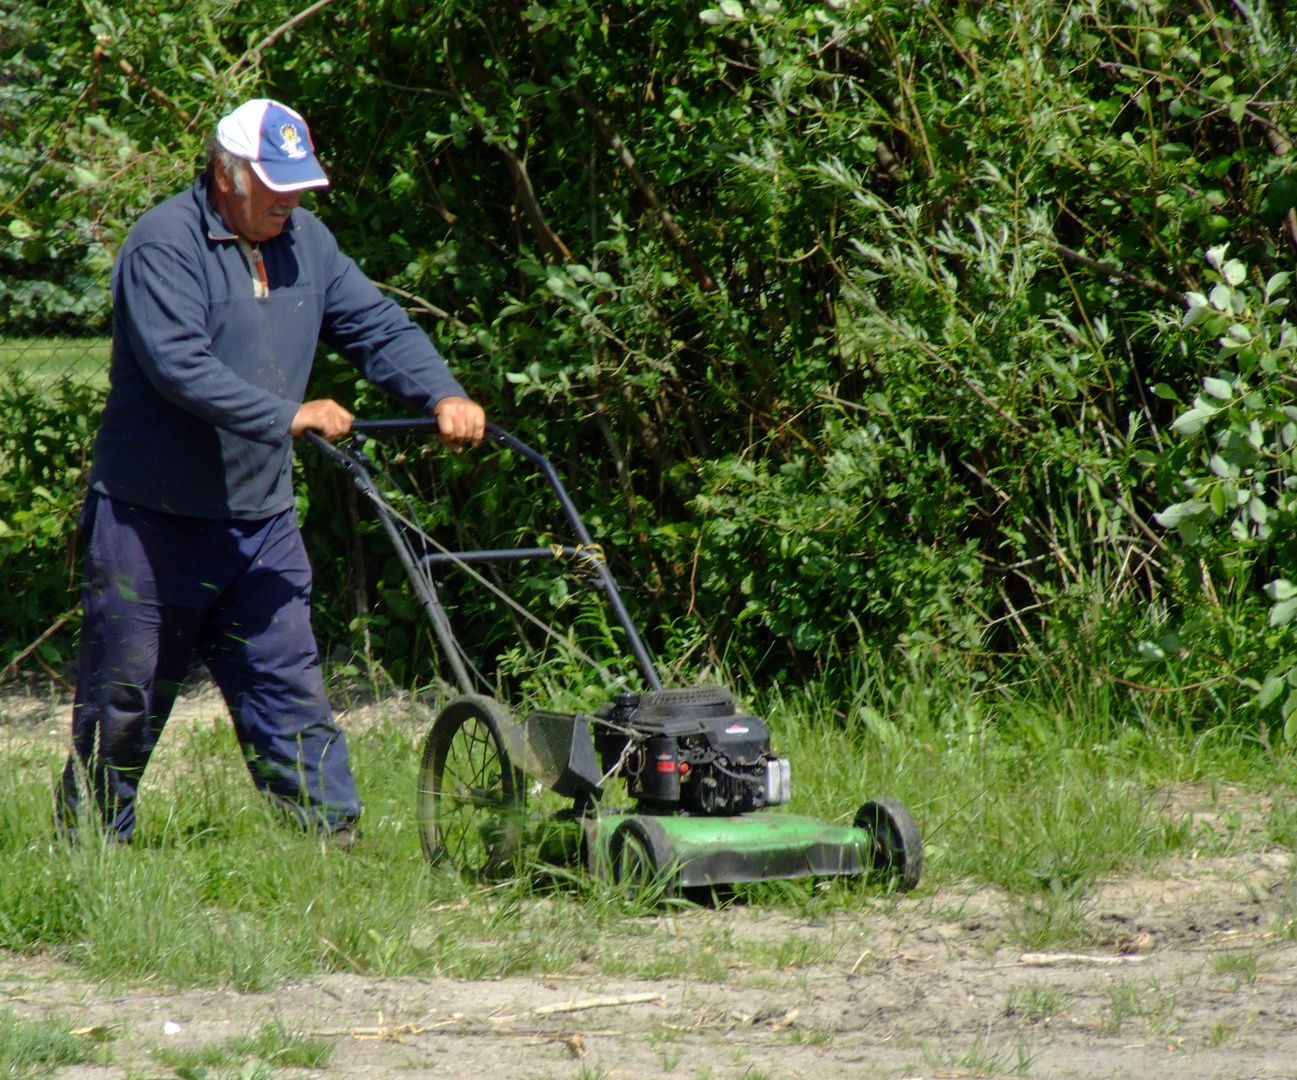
x=220, y=295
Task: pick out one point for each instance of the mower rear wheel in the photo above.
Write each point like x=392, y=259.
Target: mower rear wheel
x=643, y=860
x=897, y=846
x=471, y=798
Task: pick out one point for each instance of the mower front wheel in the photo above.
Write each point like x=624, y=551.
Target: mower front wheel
x=471, y=797
x=643, y=860
x=897, y=850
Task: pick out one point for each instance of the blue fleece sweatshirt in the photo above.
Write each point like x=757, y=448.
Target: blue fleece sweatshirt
x=209, y=366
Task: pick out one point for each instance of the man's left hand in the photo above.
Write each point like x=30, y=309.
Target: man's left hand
x=460, y=421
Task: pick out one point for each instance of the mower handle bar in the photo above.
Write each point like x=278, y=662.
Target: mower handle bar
x=603, y=575
x=426, y=424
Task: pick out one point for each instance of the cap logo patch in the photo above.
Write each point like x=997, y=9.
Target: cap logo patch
x=292, y=144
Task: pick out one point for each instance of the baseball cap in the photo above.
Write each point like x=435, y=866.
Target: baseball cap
x=275, y=141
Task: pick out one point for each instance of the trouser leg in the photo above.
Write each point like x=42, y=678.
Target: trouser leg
x=136, y=642
x=259, y=648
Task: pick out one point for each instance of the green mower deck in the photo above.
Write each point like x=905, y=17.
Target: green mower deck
x=702, y=851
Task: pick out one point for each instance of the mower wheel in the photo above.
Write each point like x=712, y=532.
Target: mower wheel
x=898, y=847
x=643, y=860
x=471, y=798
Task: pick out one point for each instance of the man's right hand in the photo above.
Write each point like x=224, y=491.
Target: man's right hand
x=325, y=416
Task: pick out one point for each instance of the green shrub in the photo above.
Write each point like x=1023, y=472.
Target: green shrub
x=1234, y=460
x=858, y=355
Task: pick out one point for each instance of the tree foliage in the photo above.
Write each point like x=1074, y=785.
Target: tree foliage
x=843, y=319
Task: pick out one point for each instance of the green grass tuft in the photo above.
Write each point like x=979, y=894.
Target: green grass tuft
x=277, y=1045
x=1036, y=1001
x=31, y=1048
x=1124, y=1002
x=193, y=1062
x=1244, y=967
x=273, y=1045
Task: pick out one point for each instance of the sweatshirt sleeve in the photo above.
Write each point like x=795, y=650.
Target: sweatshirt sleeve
x=166, y=319
x=375, y=335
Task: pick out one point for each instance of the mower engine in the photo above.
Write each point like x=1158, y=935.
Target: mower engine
x=691, y=750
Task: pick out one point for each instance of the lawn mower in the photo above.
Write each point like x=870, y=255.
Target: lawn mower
x=698, y=766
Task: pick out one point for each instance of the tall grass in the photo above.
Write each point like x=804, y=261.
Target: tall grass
x=1054, y=787
x=1040, y=795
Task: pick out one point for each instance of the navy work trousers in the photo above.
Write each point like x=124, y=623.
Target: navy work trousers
x=157, y=589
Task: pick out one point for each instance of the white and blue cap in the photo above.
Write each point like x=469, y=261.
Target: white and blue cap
x=276, y=142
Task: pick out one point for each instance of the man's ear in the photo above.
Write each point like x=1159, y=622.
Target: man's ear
x=222, y=178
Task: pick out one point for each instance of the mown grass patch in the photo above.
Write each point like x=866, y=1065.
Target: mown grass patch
x=83, y=361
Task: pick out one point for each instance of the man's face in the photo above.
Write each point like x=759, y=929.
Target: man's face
x=259, y=215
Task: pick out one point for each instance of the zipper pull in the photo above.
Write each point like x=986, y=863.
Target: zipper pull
x=261, y=287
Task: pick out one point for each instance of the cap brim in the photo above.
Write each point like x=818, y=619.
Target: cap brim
x=291, y=175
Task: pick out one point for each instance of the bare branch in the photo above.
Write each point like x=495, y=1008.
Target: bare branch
x=430, y=308
x=549, y=240
x=1121, y=275
x=253, y=55
x=11, y=668
x=674, y=232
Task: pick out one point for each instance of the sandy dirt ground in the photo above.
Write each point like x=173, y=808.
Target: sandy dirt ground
x=1192, y=972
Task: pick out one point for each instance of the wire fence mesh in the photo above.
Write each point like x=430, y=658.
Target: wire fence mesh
x=55, y=311
x=55, y=349
x=49, y=358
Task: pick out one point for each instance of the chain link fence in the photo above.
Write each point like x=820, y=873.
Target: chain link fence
x=55, y=348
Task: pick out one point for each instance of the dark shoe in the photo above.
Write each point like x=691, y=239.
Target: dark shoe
x=341, y=839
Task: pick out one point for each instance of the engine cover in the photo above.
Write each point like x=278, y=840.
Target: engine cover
x=688, y=750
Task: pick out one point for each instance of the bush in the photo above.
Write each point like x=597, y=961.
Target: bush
x=839, y=319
